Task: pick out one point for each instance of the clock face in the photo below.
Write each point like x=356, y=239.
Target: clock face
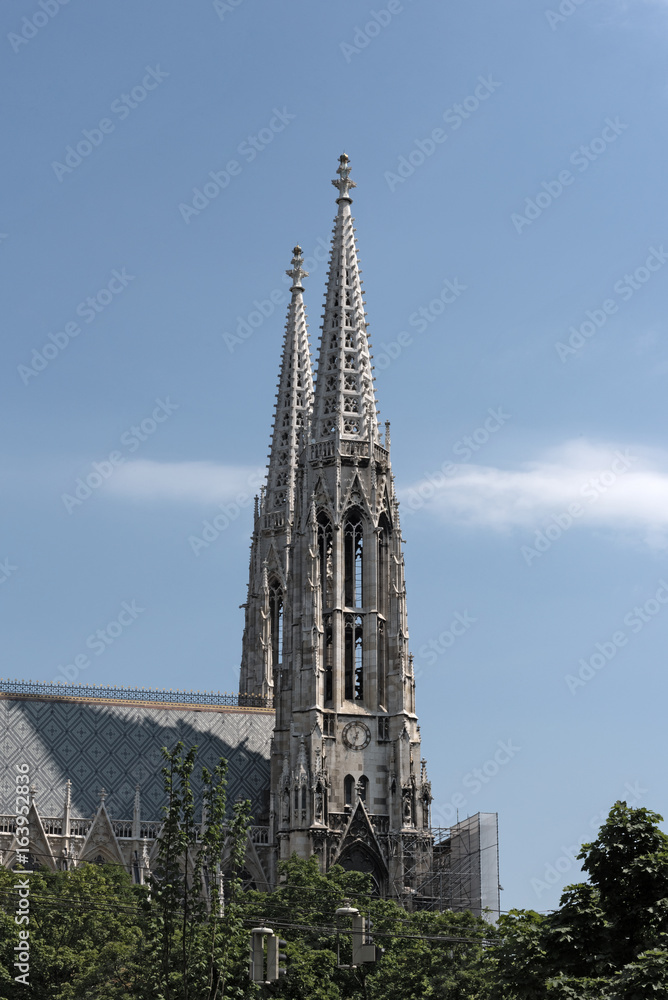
x=356, y=735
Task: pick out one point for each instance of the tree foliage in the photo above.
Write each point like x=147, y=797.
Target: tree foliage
x=96, y=936
x=85, y=934
x=195, y=936
x=93, y=934
x=608, y=939
x=412, y=968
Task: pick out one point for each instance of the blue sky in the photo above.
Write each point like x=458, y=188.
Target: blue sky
x=161, y=162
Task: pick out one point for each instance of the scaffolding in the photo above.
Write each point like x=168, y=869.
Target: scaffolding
x=464, y=871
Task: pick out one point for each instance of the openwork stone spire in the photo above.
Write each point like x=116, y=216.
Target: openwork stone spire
x=345, y=407
x=294, y=399
x=326, y=626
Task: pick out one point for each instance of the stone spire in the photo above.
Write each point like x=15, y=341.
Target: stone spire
x=275, y=513
x=344, y=691
x=293, y=401
x=344, y=407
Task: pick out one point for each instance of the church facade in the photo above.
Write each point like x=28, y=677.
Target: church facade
x=324, y=736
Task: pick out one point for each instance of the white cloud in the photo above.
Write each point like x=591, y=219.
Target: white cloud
x=618, y=487
x=198, y=482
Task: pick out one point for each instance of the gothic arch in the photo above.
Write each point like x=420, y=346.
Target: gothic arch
x=354, y=522
x=383, y=540
x=356, y=496
x=276, y=619
x=357, y=857
x=326, y=558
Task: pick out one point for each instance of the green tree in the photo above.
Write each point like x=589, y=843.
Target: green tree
x=302, y=911
x=628, y=867
x=85, y=934
x=96, y=936
x=608, y=939
x=196, y=939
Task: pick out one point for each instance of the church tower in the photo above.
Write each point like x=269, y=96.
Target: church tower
x=326, y=629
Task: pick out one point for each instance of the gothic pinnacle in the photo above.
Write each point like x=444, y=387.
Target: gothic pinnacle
x=297, y=272
x=343, y=183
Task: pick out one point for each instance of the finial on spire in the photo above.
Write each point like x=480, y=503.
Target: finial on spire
x=343, y=183
x=297, y=271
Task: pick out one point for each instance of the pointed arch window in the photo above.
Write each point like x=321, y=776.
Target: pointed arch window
x=276, y=622
x=382, y=563
x=348, y=785
x=354, y=558
x=326, y=556
x=382, y=665
x=363, y=787
x=354, y=658
x=328, y=659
